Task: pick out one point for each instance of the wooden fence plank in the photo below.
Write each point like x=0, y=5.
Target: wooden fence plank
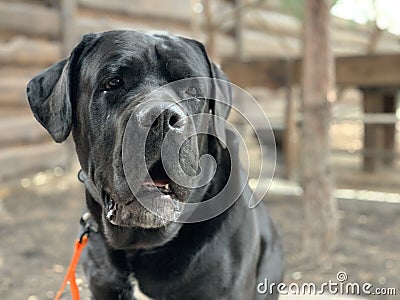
x=174, y=10
x=27, y=52
x=29, y=19
x=98, y=22
x=13, y=91
x=367, y=70
x=16, y=131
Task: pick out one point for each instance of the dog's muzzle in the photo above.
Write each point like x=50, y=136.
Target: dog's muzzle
x=159, y=149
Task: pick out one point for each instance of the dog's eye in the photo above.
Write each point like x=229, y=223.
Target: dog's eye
x=113, y=83
x=192, y=91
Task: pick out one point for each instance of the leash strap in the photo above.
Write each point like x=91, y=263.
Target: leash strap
x=70, y=276
x=89, y=226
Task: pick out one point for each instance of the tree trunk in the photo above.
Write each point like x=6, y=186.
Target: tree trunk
x=318, y=93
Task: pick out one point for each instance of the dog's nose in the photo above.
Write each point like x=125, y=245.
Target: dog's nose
x=162, y=116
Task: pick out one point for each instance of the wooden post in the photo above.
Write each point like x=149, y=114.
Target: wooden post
x=238, y=30
x=67, y=20
x=291, y=138
x=68, y=40
x=389, y=134
x=319, y=205
x=373, y=135
x=374, y=39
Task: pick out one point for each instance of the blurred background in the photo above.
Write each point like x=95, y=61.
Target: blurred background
x=260, y=46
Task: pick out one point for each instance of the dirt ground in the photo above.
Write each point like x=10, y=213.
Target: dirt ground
x=39, y=222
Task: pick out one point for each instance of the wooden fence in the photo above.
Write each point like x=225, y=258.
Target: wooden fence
x=36, y=33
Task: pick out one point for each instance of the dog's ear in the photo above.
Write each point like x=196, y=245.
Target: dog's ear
x=52, y=92
x=48, y=95
x=220, y=94
x=221, y=103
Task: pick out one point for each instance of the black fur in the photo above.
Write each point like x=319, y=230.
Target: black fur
x=221, y=258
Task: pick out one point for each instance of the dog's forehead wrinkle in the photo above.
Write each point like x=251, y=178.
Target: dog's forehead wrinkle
x=120, y=51
x=132, y=63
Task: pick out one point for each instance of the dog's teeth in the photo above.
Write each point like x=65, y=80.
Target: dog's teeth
x=166, y=186
x=110, y=204
x=111, y=208
x=110, y=214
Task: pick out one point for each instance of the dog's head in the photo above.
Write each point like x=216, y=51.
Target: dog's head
x=102, y=86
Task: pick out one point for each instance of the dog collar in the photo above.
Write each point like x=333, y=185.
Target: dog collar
x=88, y=223
x=90, y=186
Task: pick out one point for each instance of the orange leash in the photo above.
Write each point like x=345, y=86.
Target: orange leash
x=70, y=276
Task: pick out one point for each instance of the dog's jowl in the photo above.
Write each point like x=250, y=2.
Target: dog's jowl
x=144, y=237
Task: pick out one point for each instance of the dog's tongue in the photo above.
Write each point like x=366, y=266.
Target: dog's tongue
x=157, y=183
x=161, y=182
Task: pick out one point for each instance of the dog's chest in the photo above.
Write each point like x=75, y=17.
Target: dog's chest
x=137, y=293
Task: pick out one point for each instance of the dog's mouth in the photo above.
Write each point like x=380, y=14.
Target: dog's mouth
x=153, y=205
x=158, y=180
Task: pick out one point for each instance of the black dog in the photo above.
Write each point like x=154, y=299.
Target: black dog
x=93, y=93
